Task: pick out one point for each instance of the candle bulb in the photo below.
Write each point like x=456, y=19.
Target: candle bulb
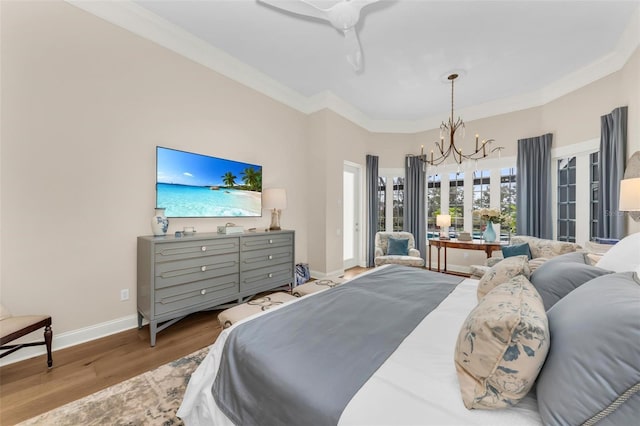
x=431, y=156
x=421, y=150
x=476, y=142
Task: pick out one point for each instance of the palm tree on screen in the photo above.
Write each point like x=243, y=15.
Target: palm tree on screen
x=229, y=179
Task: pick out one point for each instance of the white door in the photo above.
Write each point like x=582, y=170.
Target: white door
x=351, y=219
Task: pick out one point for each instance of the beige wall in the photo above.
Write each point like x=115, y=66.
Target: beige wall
x=84, y=103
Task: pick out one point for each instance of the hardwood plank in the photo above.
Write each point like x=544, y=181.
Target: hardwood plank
x=28, y=388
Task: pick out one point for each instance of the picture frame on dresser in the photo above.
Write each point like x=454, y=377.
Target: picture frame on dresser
x=183, y=275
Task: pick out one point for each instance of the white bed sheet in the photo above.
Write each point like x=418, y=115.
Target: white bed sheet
x=417, y=384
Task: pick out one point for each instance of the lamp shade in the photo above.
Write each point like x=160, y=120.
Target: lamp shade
x=443, y=220
x=274, y=198
x=630, y=195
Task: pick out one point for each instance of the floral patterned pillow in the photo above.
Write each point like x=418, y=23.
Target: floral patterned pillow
x=502, y=346
x=502, y=272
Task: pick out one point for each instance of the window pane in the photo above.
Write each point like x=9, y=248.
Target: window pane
x=456, y=200
x=433, y=203
x=508, y=199
x=398, y=203
x=481, y=197
x=382, y=202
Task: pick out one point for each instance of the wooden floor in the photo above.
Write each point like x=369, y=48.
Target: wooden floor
x=28, y=388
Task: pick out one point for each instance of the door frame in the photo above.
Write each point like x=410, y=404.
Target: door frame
x=359, y=243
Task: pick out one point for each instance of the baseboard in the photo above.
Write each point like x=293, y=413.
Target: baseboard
x=317, y=274
x=72, y=338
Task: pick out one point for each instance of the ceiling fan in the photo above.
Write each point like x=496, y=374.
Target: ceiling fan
x=343, y=16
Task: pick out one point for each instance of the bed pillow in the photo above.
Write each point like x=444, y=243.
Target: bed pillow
x=516, y=250
x=398, y=246
x=593, y=367
x=502, y=272
x=554, y=280
x=502, y=346
x=624, y=256
x=573, y=257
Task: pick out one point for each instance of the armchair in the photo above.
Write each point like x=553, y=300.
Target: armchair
x=381, y=247
x=14, y=327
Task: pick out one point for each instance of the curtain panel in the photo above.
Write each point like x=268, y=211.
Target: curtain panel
x=415, y=219
x=613, y=142
x=533, y=186
x=372, y=206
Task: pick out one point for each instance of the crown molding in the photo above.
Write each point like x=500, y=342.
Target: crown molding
x=146, y=24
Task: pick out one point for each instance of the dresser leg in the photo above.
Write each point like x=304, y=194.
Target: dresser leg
x=139, y=320
x=153, y=330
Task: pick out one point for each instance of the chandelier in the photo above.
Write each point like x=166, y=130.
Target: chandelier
x=448, y=129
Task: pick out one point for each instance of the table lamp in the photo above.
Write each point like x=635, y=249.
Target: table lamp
x=630, y=197
x=274, y=199
x=444, y=222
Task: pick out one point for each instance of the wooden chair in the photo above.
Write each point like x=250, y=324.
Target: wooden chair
x=14, y=327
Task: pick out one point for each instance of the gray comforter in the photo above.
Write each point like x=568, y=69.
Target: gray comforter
x=302, y=364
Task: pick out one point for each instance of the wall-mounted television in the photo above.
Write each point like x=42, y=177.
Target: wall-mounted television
x=196, y=185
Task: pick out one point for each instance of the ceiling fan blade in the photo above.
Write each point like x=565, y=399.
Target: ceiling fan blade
x=352, y=48
x=359, y=4
x=299, y=7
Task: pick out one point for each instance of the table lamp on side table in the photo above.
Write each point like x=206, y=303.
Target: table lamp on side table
x=444, y=222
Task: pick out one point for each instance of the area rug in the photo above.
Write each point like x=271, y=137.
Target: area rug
x=152, y=398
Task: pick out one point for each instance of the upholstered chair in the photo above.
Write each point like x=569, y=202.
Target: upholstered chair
x=14, y=327
x=382, y=256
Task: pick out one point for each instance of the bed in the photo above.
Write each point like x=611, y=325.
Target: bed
x=416, y=383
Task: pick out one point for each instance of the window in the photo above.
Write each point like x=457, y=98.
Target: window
x=456, y=200
x=567, y=199
x=508, y=197
x=382, y=203
x=398, y=203
x=433, y=202
x=594, y=159
x=481, y=198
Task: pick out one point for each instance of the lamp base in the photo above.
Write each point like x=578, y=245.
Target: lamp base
x=275, y=220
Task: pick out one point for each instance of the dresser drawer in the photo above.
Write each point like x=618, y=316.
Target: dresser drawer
x=181, y=271
x=266, y=277
x=195, y=249
x=265, y=257
x=266, y=241
x=192, y=294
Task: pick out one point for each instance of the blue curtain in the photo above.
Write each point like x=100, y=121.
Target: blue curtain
x=613, y=142
x=415, y=219
x=372, y=206
x=533, y=186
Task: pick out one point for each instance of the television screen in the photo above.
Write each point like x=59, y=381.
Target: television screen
x=195, y=185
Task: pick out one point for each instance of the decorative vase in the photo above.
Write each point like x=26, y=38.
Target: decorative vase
x=489, y=234
x=159, y=222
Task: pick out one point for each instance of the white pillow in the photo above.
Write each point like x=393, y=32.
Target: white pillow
x=624, y=256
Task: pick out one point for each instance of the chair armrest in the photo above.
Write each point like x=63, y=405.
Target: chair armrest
x=414, y=252
x=379, y=252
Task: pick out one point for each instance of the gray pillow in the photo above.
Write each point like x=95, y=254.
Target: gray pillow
x=592, y=371
x=573, y=257
x=554, y=280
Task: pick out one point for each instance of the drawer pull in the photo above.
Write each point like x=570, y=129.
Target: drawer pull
x=270, y=241
x=203, y=291
x=270, y=257
x=270, y=275
x=203, y=248
x=203, y=268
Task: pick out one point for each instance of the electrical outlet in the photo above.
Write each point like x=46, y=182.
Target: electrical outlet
x=124, y=294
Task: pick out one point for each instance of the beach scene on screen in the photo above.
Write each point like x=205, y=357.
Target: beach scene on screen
x=195, y=185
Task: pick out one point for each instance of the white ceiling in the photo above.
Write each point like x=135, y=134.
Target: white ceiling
x=512, y=54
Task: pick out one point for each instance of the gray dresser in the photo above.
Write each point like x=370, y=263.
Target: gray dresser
x=181, y=275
